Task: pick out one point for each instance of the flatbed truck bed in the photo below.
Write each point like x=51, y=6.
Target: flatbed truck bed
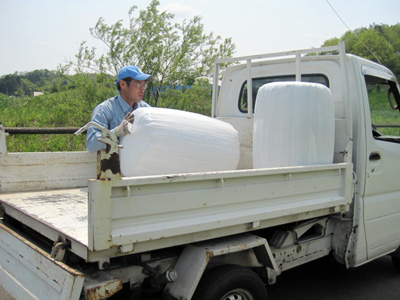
x=129, y=216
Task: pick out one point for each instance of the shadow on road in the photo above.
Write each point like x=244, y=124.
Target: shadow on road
x=324, y=280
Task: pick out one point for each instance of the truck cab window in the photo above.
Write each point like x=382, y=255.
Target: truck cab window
x=384, y=103
x=258, y=82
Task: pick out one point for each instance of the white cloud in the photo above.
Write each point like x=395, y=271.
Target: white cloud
x=180, y=10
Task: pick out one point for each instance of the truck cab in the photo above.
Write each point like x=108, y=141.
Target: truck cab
x=366, y=98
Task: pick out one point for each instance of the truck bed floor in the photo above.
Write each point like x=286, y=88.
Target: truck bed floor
x=62, y=210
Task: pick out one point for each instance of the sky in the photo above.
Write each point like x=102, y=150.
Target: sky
x=43, y=34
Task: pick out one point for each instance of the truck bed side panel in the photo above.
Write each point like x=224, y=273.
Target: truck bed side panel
x=178, y=209
x=45, y=170
x=27, y=272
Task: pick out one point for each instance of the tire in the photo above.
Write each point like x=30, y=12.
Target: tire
x=230, y=282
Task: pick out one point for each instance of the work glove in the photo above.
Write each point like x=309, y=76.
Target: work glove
x=122, y=129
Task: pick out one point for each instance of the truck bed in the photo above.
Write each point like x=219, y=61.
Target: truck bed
x=51, y=212
x=138, y=214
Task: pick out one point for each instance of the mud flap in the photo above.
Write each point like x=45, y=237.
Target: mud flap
x=28, y=272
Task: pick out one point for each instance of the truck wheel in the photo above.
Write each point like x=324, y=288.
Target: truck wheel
x=231, y=282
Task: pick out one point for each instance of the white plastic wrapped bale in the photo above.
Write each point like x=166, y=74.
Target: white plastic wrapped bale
x=294, y=125
x=168, y=141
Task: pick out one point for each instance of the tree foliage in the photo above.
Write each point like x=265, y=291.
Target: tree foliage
x=24, y=84
x=174, y=53
x=379, y=43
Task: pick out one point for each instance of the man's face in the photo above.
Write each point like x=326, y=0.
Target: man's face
x=132, y=91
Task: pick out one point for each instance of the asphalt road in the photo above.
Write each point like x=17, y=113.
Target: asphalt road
x=377, y=280
x=321, y=280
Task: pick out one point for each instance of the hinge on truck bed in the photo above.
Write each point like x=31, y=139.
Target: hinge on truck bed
x=58, y=250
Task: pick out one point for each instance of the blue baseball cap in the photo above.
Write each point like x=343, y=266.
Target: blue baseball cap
x=133, y=72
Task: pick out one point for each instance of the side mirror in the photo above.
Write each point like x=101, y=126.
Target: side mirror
x=393, y=103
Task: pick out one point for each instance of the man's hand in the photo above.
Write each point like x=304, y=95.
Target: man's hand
x=122, y=129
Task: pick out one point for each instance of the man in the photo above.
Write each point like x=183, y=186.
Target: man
x=115, y=113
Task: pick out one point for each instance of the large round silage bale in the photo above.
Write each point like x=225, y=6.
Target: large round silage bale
x=294, y=125
x=168, y=141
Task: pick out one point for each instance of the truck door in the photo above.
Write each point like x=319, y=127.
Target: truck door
x=382, y=189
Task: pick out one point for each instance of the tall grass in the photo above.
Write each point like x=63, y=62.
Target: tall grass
x=64, y=109
x=73, y=108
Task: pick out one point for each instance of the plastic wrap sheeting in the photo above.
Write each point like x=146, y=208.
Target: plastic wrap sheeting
x=169, y=141
x=294, y=125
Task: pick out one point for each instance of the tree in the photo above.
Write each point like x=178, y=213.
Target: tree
x=26, y=87
x=173, y=53
x=9, y=84
x=379, y=43
x=195, y=97
x=24, y=84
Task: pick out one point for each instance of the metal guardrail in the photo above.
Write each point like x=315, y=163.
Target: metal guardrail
x=72, y=130
x=40, y=130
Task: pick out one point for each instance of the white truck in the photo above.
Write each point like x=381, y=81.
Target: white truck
x=73, y=228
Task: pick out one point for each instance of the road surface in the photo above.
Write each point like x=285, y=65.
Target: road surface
x=331, y=281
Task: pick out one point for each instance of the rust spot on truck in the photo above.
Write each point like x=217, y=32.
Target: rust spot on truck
x=112, y=164
x=103, y=290
x=209, y=254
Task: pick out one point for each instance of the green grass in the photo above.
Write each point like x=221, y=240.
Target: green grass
x=382, y=113
x=64, y=109
x=73, y=109
x=45, y=142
